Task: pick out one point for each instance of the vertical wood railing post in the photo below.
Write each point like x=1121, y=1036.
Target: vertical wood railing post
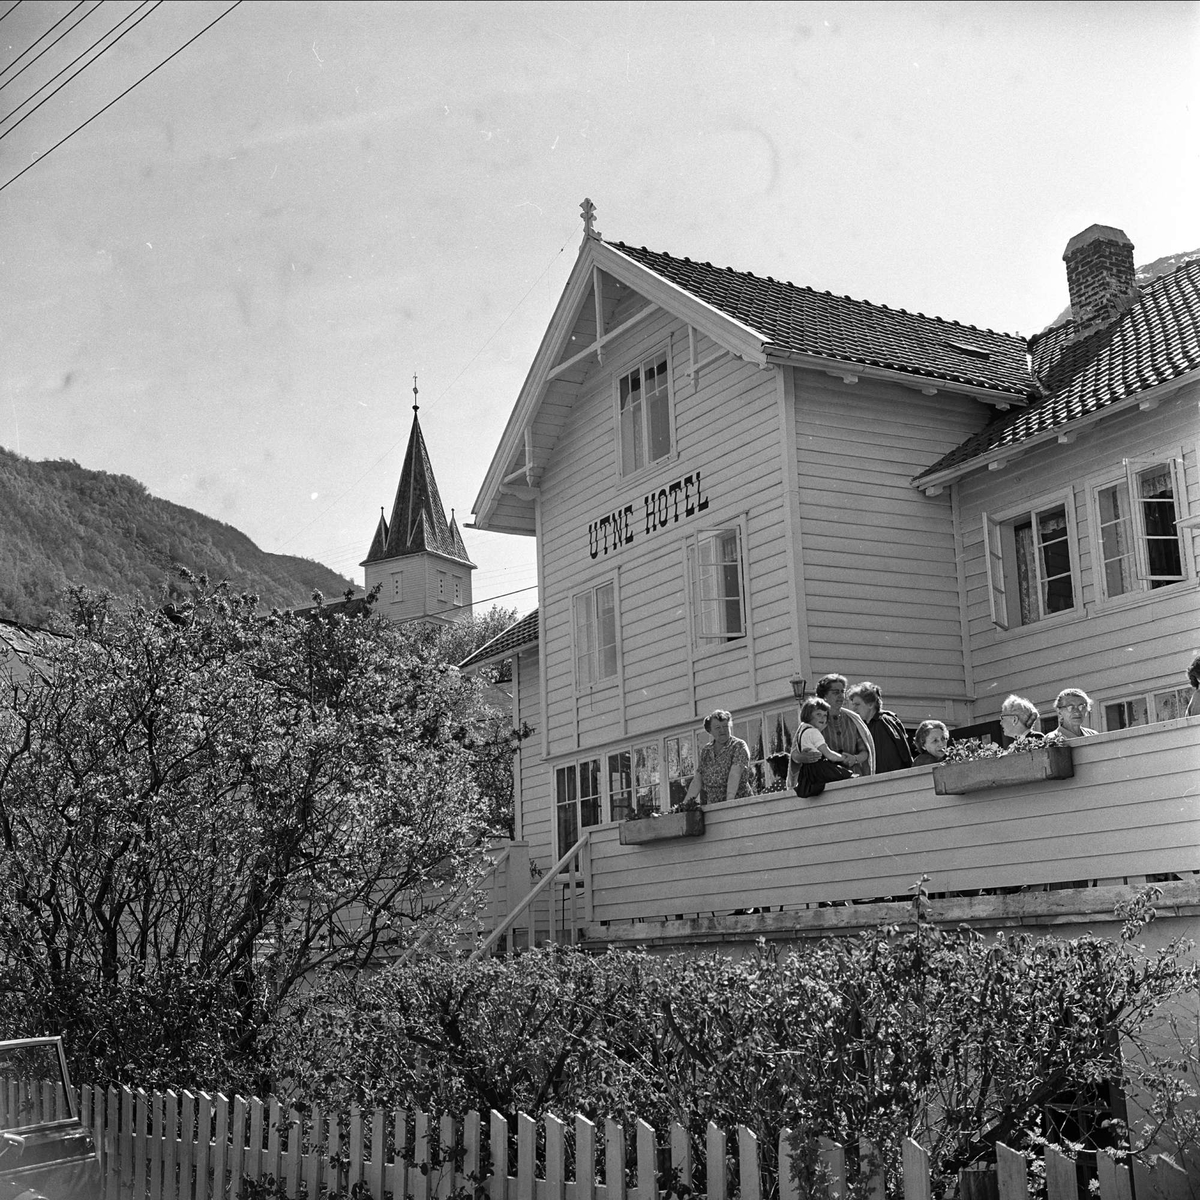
x=126, y=1142
x=141, y=1139
x=377, y=1157
x=1060, y=1176
x=1113, y=1178
x=254, y=1149
x=472, y=1159
x=647, y=1161
x=498, y=1152
x=419, y=1177
x=915, y=1161
x=398, y=1171
x=749, y=1179
x=1012, y=1174
x=614, y=1160
x=291, y=1162
x=788, y=1187
x=714, y=1166
x=447, y=1135
x=832, y=1155
x=187, y=1143
x=274, y=1139
x=237, y=1147
x=585, y=1158
x=220, y=1154
x=681, y=1154
x=157, y=1147
x=556, y=1158
x=171, y=1188
x=203, y=1145
x=313, y=1175
x=526, y=1157
x=870, y=1164
x=354, y=1147
x=334, y=1172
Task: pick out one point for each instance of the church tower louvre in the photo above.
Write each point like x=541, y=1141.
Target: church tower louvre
x=417, y=558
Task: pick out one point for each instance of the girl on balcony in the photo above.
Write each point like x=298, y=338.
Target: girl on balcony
x=810, y=778
x=931, y=740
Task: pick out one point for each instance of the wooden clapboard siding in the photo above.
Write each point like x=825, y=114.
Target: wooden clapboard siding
x=727, y=429
x=535, y=796
x=1111, y=649
x=1128, y=810
x=879, y=558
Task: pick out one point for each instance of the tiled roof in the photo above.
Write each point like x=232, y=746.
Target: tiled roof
x=803, y=321
x=515, y=637
x=1155, y=341
x=418, y=521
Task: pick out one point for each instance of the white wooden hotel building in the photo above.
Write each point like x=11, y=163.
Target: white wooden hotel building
x=738, y=485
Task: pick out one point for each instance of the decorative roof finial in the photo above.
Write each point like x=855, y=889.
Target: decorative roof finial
x=415, y=404
x=588, y=209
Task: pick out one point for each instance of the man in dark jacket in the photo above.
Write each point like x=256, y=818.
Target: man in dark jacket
x=892, y=751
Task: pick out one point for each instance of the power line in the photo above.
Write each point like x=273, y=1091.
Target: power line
x=81, y=69
x=48, y=32
x=123, y=94
x=6, y=12
x=52, y=44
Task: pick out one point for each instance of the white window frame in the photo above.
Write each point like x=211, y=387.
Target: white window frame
x=1143, y=584
x=627, y=470
x=999, y=556
x=707, y=587
x=1156, y=703
x=592, y=669
x=569, y=789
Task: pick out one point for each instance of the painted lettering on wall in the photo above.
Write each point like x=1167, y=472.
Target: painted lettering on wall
x=676, y=501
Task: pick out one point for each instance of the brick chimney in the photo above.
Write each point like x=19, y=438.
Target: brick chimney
x=1100, y=276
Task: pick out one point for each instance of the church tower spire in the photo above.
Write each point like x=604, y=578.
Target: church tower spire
x=418, y=557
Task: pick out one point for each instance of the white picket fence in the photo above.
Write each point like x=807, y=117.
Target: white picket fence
x=185, y=1146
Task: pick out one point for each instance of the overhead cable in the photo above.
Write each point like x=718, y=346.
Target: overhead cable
x=122, y=95
x=52, y=44
x=73, y=61
x=8, y=10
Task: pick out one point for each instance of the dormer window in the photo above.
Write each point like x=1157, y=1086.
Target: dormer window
x=644, y=414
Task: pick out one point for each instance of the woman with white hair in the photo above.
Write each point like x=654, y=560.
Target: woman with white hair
x=1072, y=705
x=1017, y=719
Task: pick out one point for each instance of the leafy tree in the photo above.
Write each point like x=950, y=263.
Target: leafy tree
x=954, y=1038
x=200, y=806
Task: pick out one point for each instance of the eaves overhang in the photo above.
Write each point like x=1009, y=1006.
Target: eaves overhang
x=849, y=370
x=999, y=456
x=501, y=480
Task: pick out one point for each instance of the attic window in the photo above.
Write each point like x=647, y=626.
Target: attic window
x=967, y=348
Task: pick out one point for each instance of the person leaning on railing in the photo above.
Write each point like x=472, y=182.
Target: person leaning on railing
x=845, y=732
x=724, y=770
x=1017, y=719
x=1072, y=705
x=892, y=751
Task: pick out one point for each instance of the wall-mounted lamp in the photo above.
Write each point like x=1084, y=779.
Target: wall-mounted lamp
x=799, y=686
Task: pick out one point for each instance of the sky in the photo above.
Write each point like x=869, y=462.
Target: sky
x=224, y=284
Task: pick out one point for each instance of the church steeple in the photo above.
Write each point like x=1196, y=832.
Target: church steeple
x=418, y=542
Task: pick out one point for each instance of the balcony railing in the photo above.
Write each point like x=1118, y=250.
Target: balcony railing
x=1131, y=810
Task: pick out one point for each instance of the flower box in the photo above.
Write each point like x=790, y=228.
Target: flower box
x=658, y=829
x=1012, y=770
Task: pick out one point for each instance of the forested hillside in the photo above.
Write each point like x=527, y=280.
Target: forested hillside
x=62, y=524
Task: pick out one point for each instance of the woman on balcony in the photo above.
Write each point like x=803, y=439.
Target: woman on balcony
x=1072, y=705
x=724, y=772
x=1018, y=717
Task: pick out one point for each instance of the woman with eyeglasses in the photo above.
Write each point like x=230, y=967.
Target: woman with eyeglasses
x=1018, y=717
x=1072, y=705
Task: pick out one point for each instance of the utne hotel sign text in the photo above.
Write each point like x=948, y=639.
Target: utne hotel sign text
x=683, y=498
